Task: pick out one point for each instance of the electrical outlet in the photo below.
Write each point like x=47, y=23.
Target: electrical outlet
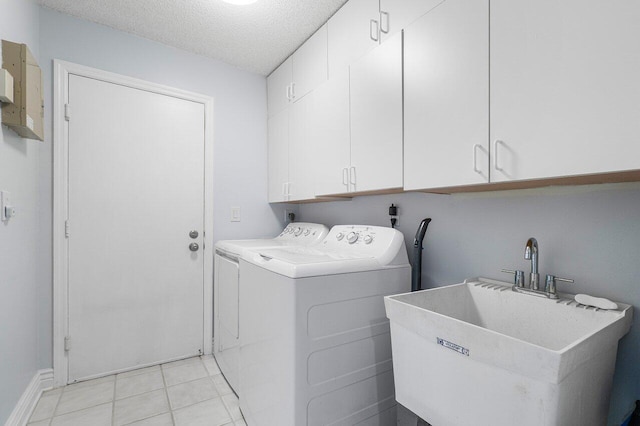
x=287, y=212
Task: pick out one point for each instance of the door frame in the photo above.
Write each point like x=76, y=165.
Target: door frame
x=61, y=72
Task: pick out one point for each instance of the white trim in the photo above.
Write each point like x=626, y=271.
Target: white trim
x=61, y=71
x=42, y=380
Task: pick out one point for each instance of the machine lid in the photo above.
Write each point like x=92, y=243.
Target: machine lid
x=294, y=234
x=346, y=249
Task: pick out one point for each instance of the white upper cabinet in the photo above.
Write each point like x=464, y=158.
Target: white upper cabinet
x=333, y=136
x=302, y=149
x=353, y=31
x=279, y=88
x=446, y=95
x=278, y=152
x=565, y=91
x=302, y=72
x=309, y=64
x=396, y=15
x=292, y=152
x=376, y=118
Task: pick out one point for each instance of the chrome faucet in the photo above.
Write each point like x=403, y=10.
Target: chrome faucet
x=531, y=253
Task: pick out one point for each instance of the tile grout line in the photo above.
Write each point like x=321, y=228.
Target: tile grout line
x=224, y=404
x=162, y=370
x=166, y=394
x=113, y=402
x=57, y=404
x=65, y=388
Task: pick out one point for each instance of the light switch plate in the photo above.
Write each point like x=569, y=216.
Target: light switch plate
x=5, y=200
x=235, y=214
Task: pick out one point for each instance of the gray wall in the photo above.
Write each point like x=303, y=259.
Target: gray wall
x=240, y=109
x=19, y=238
x=591, y=234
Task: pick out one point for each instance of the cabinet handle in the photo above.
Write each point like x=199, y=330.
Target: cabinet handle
x=374, y=35
x=345, y=177
x=496, y=165
x=475, y=158
x=288, y=91
x=352, y=176
x=293, y=91
x=384, y=28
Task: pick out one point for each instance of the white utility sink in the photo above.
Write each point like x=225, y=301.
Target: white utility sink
x=478, y=353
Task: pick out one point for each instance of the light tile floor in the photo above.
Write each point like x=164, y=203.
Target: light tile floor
x=189, y=392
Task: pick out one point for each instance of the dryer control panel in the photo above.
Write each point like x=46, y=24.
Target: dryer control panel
x=364, y=241
x=303, y=233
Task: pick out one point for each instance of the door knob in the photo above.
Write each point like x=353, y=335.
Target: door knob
x=194, y=246
x=193, y=234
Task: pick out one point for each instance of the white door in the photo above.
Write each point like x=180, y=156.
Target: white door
x=376, y=118
x=136, y=190
x=446, y=96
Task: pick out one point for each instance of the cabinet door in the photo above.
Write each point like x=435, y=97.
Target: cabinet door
x=395, y=15
x=310, y=64
x=446, y=95
x=278, y=92
x=352, y=34
x=278, y=141
x=333, y=135
x=302, y=148
x=565, y=92
x=376, y=117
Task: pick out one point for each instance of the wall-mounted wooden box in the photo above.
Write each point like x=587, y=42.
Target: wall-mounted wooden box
x=26, y=114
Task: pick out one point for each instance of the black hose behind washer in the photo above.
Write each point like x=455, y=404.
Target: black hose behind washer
x=416, y=270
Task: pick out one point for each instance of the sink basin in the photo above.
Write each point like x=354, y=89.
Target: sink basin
x=479, y=353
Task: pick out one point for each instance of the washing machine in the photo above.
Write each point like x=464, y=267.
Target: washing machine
x=226, y=334
x=316, y=347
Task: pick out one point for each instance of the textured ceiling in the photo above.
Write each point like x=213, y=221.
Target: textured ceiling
x=256, y=37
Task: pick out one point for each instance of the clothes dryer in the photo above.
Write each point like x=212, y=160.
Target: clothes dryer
x=316, y=348
x=227, y=336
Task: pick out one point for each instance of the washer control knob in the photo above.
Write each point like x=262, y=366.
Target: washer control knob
x=352, y=237
x=339, y=236
x=307, y=232
x=297, y=232
x=368, y=239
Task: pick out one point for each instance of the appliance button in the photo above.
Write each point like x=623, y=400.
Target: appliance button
x=368, y=239
x=298, y=231
x=307, y=232
x=339, y=236
x=352, y=237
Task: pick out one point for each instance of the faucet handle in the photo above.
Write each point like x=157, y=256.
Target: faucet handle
x=518, y=277
x=550, y=285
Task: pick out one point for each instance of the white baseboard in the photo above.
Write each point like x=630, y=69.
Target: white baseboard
x=42, y=380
